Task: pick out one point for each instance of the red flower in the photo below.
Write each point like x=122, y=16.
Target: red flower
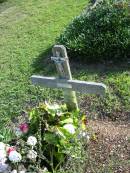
x=10, y=149
x=24, y=127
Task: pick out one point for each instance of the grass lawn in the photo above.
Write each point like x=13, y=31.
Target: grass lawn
x=28, y=30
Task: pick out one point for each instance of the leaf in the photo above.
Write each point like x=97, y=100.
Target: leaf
x=66, y=121
x=32, y=114
x=60, y=133
x=51, y=138
x=84, y=122
x=59, y=156
x=66, y=133
x=1, y=136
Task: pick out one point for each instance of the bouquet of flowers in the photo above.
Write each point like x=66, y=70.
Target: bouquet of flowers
x=44, y=138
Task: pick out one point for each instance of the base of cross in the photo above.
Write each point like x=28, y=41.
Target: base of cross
x=70, y=100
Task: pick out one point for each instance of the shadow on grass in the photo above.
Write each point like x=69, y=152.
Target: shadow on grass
x=43, y=65
x=114, y=102
x=100, y=69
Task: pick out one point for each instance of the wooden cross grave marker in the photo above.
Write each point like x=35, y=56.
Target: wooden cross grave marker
x=65, y=82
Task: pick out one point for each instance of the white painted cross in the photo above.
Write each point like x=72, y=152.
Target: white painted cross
x=65, y=82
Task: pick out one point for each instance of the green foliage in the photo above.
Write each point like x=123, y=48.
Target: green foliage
x=6, y=135
x=115, y=103
x=45, y=136
x=48, y=123
x=2, y=1
x=21, y=44
x=101, y=32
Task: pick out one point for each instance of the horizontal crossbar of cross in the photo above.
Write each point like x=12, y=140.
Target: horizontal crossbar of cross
x=73, y=85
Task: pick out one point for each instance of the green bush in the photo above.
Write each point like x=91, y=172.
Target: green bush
x=2, y=1
x=101, y=32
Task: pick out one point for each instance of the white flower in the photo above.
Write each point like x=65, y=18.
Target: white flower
x=87, y=137
x=32, y=141
x=14, y=156
x=14, y=171
x=53, y=107
x=18, y=132
x=2, y=146
x=70, y=128
x=23, y=171
x=3, y=167
x=84, y=135
x=32, y=154
x=2, y=155
x=45, y=170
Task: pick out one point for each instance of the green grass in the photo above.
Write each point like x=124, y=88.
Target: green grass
x=116, y=102
x=28, y=30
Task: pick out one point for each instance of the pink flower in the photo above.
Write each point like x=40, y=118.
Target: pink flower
x=10, y=149
x=24, y=127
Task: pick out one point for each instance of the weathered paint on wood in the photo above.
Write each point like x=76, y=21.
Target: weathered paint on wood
x=63, y=68
x=71, y=85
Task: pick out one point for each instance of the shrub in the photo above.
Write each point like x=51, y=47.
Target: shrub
x=2, y=1
x=101, y=32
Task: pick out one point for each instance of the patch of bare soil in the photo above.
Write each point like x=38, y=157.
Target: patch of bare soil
x=110, y=152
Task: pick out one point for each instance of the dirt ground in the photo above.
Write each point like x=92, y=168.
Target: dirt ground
x=110, y=152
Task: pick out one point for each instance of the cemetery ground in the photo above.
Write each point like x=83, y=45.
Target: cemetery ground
x=27, y=32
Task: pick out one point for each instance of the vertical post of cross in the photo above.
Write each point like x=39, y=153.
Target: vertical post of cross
x=61, y=60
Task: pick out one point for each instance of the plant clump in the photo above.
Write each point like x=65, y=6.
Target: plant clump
x=101, y=33
x=45, y=137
